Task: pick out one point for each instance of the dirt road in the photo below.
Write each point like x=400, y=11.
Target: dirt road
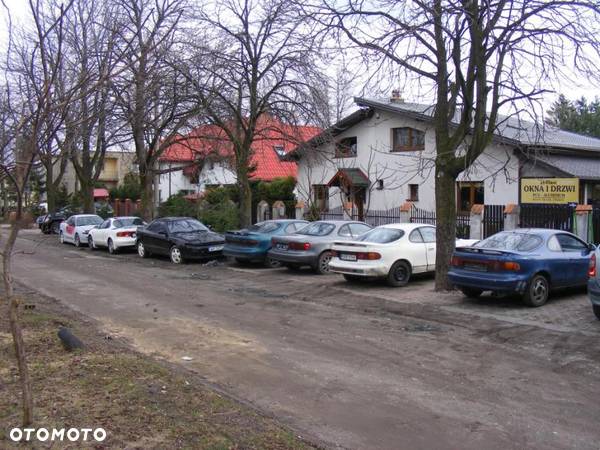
x=358, y=366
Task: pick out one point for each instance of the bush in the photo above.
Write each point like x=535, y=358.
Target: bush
x=221, y=217
x=131, y=188
x=277, y=189
x=177, y=206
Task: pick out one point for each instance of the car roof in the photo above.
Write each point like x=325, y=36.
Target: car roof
x=125, y=217
x=340, y=222
x=541, y=231
x=406, y=225
x=283, y=220
x=170, y=219
x=85, y=215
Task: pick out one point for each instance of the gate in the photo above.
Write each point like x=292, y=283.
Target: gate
x=463, y=224
x=493, y=219
x=558, y=217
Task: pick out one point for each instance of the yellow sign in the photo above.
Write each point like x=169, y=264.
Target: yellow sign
x=550, y=190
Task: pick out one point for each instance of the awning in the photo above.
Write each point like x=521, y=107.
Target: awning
x=582, y=167
x=100, y=193
x=350, y=177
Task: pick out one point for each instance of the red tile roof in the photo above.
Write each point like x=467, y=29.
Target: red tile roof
x=271, y=134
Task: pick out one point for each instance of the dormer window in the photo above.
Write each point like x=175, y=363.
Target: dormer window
x=279, y=150
x=407, y=139
x=346, y=147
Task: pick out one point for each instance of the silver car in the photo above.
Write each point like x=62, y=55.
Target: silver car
x=311, y=246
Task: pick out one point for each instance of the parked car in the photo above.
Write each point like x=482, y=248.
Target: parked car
x=180, y=238
x=594, y=282
x=76, y=228
x=528, y=262
x=52, y=221
x=311, y=246
x=393, y=252
x=252, y=244
x=115, y=233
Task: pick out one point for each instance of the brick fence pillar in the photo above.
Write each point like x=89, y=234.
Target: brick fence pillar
x=405, y=210
x=582, y=229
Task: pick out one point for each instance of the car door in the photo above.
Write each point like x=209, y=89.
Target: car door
x=161, y=239
x=150, y=236
x=102, y=232
x=577, y=259
x=428, y=234
x=70, y=229
x=416, y=253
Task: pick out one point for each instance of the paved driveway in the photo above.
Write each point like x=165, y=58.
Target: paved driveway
x=357, y=365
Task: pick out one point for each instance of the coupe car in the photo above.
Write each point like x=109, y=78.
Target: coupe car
x=594, y=283
x=115, y=233
x=76, y=228
x=527, y=262
x=253, y=243
x=180, y=238
x=393, y=252
x=311, y=246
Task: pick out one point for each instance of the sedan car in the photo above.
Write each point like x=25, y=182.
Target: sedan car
x=527, y=262
x=252, y=244
x=311, y=246
x=393, y=252
x=594, y=283
x=180, y=238
x=52, y=221
x=76, y=228
x=115, y=233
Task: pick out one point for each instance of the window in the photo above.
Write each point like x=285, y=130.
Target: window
x=186, y=226
x=105, y=224
x=321, y=196
x=345, y=231
x=407, y=139
x=428, y=234
x=279, y=150
x=382, y=235
x=89, y=220
x=415, y=236
x=570, y=243
x=264, y=227
x=514, y=240
x=413, y=193
x=469, y=194
x=346, y=148
x=317, y=229
x=156, y=226
x=358, y=229
x=295, y=226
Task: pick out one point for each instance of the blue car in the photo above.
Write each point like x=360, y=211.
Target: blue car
x=528, y=262
x=594, y=283
x=253, y=243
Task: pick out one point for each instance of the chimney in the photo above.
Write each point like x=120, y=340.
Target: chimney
x=396, y=97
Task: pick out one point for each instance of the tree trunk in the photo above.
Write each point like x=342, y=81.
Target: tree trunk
x=445, y=209
x=87, y=192
x=15, y=327
x=147, y=183
x=50, y=188
x=245, y=209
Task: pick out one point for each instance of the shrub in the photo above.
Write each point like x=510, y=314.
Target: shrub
x=177, y=206
x=221, y=217
x=131, y=188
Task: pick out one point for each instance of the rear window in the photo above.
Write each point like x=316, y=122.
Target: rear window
x=264, y=227
x=128, y=222
x=317, y=229
x=506, y=240
x=382, y=235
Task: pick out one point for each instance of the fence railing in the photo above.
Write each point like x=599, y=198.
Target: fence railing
x=463, y=221
x=558, y=217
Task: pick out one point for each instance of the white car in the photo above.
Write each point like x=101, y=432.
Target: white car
x=393, y=252
x=115, y=233
x=75, y=229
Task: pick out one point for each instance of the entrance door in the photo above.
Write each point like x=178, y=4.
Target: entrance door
x=359, y=197
x=469, y=193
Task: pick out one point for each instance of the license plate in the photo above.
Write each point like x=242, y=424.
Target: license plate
x=475, y=267
x=282, y=246
x=215, y=248
x=347, y=257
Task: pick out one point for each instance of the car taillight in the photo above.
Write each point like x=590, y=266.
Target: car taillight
x=592, y=269
x=302, y=246
x=456, y=261
x=125, y=233
x=505, y=265
x=371, y=256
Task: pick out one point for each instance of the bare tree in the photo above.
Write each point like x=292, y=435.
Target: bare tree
x=254, y=62
x=478, y=59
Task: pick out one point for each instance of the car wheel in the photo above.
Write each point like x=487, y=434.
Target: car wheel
x=111, y=247
x=54, y=228
x=352, y=277
x=176, y=256
x=597, y=311
x=399, y=274
x=77, y=241
x=142, y=250
x=91, y=244
x=272, y=263
x=322, y=267
x=471, y=292
x=61, y=237
x=537, y=291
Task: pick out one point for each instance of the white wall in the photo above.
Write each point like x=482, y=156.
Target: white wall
x=218, y=173
x=172, y=182
x=497, y=167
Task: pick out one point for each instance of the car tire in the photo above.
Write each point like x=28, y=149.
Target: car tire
x=111, y=247
x=352, y=278
x=399, y=274
x=141, y=249
x=176, y=255
x=596, y=311
x=61, y=237
x=537, y=291
x=471, y=292
x=54, y=228
x=91, y=244
x=77, y=240
x=271, y=263
x=322, y=267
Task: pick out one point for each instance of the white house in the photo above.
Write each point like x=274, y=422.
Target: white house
x=383, y=155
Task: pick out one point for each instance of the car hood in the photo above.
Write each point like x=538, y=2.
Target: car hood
x=199, y=238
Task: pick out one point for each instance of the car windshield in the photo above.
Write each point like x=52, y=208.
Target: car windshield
x=264, y=227
x=317, y=229
x=89, y=220
x=186, y=226
x=506, y=240
x=381, y=235
x=128, y=222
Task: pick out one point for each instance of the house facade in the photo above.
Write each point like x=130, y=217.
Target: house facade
x=383, y=155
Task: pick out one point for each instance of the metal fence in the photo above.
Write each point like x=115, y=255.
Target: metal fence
x=463, y=221
x=558, y=217
x=493, y=219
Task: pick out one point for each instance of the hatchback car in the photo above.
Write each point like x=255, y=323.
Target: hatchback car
x=253, y=243
x=311, y=246
x=393, y=252
x=528, y=262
